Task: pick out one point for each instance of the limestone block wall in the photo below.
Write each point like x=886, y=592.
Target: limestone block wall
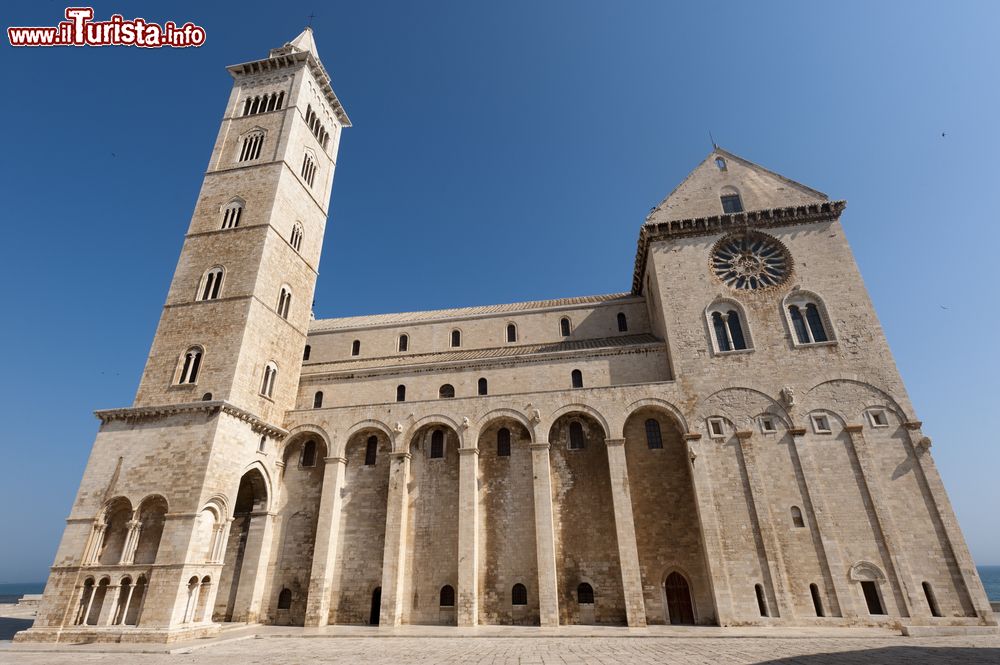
x=667, y=531
x=361, y=544
x=431, y=559
x=507, y=554
x=586, y=545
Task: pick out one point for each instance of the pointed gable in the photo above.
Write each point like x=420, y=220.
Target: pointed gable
x=699, y=195
x=305, y=42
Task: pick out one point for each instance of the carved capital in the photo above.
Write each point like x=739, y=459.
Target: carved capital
x=744, y=434
x=913, y=424
x=614, y=442
x=854, y=429
x=539, y=445
x=468, y=451
x=399, y=454
x=334, y=460
x=797, y=431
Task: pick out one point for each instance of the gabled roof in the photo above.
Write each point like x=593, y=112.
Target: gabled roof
x=698, y=195
x=305, y=42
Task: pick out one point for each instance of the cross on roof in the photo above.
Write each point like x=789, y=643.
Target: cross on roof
x=311, y=17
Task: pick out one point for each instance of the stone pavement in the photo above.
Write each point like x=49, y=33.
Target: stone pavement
x=273, y=649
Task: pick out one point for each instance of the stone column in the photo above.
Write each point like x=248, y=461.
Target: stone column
x=253, y=574
x=761, y=507
x=715, y=562
x=397, y=509
x=325, y=550
x=966, y=566
x=844, y=599
x=914, y=606
x=628, y=551
x=93, y=550
x=545, y=540
x=468, y=537
x=109, y=606
x=131, y=542
x=128, y=602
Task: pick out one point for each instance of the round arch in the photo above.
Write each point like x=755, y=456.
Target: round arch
x=302, y=431
x=265, y=480
x=577, y=407
x=660, y=405
x=889, y=402
x=438, y=419
x=361, y=426
x=499, y=414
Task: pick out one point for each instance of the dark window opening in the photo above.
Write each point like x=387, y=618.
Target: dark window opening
x=519, y=595
x=318, y=399
x=309, y=453
x=872, y=598
x=585, y=594
x=577, y=378
x=653, y=435
x=207, y=397
x=306, y=352
x=404, y=343
x=761, y=602
x=799, y=324
x=797, y=520
x=483, y=386
x=564, y=327
x=437, y=444
x=447, y=391
x=503, y=442
x=285, y=599
x=931, y=599
x=400, y=393
x=622, y=322
x=371, y=450
x=736, y=330
x=815, y=323
x=576, y=441
x=731, y=203
x=817, y=601
x=456, y=338
x=511, y=333
x=356, y=347
x=447, y=596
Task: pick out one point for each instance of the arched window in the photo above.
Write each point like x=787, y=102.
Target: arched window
x=720, y=163
x=761, y=602
x=519, y=595
x=622, y=322
x=503, y=442
x=270, y=374
x=456, y=339
x=437, y=444
x=817, y=601
x=296, y=240
x=808, y=318
x=207, y=397
x=189, y=365
x=511, y=333
x=931, y=599
x=318, y=400
x=285, y=599
x=577, y=378
x=356, y=347
x=483, y=386
x=231, y=214
x=309, y=453
x=211, y=284
x=308, y=168
x=447, y=391
x=262, y=443
x=284, y=301
x=447, y=596
x=585, y=594
x=653, y=437
x=726, y=321
x=401, y=393
x=371, y=450
x=576, y=440
x=731, y=201
x=564, y=327
x=797, y=520
x=306, y=352
x=403, y=343
x=252, y=143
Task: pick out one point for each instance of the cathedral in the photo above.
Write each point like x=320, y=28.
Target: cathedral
x=727, y=443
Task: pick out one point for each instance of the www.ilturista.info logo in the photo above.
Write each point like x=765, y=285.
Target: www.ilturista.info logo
x=79, y=29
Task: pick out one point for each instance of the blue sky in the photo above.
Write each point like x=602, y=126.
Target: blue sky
x=501, y=152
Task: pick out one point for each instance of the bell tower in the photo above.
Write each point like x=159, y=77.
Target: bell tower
x=234, y=324
x=171, y=527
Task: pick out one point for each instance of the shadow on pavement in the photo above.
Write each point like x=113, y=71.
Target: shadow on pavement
x=889, y=655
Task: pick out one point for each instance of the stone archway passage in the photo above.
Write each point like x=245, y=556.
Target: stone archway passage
x=373, y=616
x=679, y=607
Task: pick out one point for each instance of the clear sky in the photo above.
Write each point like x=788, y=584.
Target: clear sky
x=501, y=151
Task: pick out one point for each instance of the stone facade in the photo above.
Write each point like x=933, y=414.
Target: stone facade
x=728, y=443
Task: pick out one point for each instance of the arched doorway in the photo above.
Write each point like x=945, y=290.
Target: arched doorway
x=679, y=609
x=251, y=505
x=373, y=615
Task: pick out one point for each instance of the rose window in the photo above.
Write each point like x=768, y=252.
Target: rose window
x=750, y=260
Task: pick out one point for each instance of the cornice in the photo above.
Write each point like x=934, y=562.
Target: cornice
x=716, y=224
x=136, y=414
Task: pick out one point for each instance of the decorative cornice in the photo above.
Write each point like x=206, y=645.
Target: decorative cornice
x=137, y=414
x=715, y=224
x=797, y=431
x=913, y=425
x=744, y=434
